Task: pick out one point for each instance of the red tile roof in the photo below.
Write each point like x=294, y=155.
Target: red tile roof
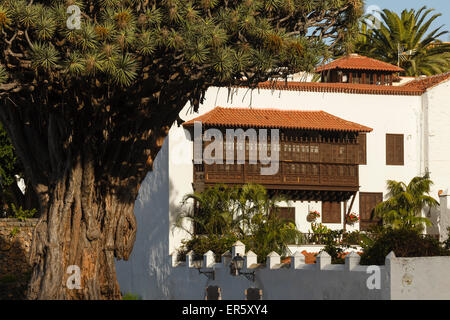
x=351, y=88
x=428, y=82
x=357, y=62
x=274, y=118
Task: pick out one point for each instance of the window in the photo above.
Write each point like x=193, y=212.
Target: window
x=379, y=80
x=345, y=77
x=362, y=148
x=387, y=79
x=331, y=212
x=394, y=149
x=367, y=203
x=356, y=77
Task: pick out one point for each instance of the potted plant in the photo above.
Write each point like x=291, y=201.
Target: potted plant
x=352, y=218
x=312, y=216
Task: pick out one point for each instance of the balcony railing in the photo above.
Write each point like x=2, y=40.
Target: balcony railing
x=289, y=173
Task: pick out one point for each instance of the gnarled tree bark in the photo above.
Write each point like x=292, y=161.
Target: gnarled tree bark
x=87, y=181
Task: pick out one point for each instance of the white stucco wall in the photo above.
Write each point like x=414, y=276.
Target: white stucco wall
x=444, y=215
x=436, y=110
x=383, y=113
x=421, y=278
x=147, y=271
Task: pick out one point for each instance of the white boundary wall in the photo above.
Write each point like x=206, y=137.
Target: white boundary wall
x=399, y=278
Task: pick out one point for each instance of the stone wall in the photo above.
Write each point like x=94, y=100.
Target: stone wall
x=15, y=243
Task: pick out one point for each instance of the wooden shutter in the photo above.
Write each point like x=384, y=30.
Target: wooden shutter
x=362, y=148
x=394, y=149
x=325, y=153
x=331, y=212
x=287, y=213
x=367, y=203
x=353, y=153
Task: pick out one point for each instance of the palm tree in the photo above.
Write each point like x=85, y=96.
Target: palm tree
x=214, y=211
x=247, y=213
x=406, y=41
x=402, y=209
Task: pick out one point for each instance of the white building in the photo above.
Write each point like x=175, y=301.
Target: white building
x=410, y=136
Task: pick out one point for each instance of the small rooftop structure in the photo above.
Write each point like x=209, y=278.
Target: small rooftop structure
x=358, y=69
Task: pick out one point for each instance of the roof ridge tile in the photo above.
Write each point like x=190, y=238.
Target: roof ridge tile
x=276, y=118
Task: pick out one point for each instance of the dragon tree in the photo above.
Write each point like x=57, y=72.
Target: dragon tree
x=89, y=90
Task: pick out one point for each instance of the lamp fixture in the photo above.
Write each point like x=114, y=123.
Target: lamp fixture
x=198, y=265
x=237, y=264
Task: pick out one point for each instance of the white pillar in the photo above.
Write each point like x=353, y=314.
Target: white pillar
x=238, y=247
x=323, y=259
x=352, y=260
x=444, y=216
x=297, y=260
x=190, y=259
x=250, y=258
x=209, y=259
x=226, y=258
x=391, y=256
x=272, y=260
x=173, y=258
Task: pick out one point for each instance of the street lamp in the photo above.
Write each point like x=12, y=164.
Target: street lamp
x=237, y=264
x=198, y=265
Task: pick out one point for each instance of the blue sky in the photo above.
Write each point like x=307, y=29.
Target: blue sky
x=441, y=6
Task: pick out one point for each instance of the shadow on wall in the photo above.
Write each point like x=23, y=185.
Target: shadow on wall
x=444, y=218
x=147, y=270
x=15, y=271
x=432, y=215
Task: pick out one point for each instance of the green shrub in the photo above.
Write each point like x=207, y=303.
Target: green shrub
x=334, y=246
x=202, y=244
x=21, y=214
x=404, y=243
x=354, y=238
x=131, y=296
x=227, y=214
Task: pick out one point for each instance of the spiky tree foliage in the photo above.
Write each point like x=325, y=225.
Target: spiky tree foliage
x=88, y=109
x=403, y=208
x=407, y=40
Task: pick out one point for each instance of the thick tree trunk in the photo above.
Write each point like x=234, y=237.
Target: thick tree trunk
x=84, y=223
x=86, y=149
